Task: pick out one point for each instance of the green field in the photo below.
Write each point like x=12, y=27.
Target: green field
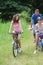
x=26, y=57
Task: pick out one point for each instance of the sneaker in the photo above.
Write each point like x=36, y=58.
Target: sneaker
x=19, y=50
x=35, y=52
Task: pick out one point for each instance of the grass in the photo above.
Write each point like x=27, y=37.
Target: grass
x=26, y=57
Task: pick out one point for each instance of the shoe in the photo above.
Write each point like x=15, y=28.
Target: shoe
x=35, y=51
x=19, y=50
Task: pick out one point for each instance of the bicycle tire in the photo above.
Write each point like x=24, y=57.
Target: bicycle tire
x=14, y=48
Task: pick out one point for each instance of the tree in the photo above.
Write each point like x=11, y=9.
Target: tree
x=10, y=7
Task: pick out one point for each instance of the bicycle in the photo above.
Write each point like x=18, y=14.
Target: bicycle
x=40, y=42
x=15, y=45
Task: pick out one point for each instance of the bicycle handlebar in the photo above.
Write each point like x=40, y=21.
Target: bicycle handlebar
x=15, y=32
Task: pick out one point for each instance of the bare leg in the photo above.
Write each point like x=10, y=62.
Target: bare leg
x=37, y=39
x=19, y=41
x=19, y=49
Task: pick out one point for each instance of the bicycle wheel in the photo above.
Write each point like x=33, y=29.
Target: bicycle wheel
x=14, y=49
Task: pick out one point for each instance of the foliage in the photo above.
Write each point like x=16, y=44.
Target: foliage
x=10, y=7
x=26, y=15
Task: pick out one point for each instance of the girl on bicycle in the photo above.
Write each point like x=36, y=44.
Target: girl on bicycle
x=16, y=24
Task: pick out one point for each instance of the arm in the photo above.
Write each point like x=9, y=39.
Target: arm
x=31, y=24
x=32, y=21
x=11, y=26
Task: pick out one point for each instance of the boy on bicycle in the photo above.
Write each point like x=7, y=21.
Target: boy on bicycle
x=38, y=31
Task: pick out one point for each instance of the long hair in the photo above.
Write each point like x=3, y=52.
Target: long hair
x=14, y=18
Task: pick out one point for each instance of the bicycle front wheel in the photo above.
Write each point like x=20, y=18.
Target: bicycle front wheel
x=14, y=49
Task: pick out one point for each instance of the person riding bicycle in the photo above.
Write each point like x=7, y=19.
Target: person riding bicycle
x=34, y=21
x=38, y=31
x=16, y=24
